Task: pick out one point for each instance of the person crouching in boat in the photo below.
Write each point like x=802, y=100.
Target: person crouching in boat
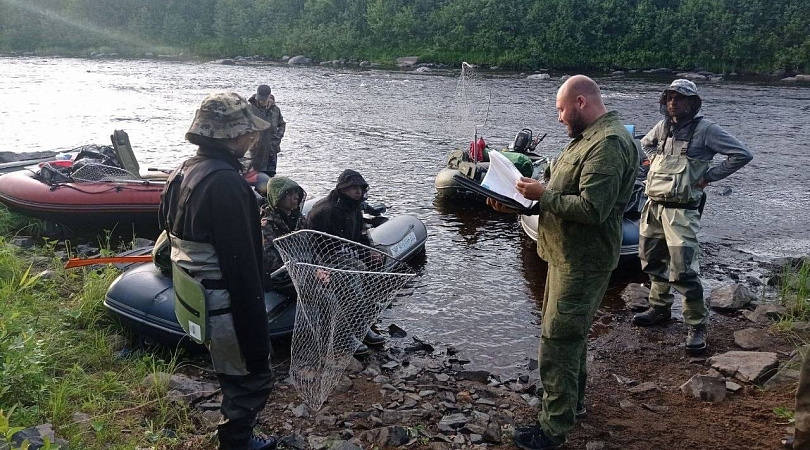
x=281, y=215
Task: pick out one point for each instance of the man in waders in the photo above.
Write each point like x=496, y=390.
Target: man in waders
x=579, y=235
x=212, y=220
x=681, y=148
x=264, y=156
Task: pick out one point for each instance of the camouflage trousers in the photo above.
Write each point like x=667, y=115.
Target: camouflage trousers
x=802, y=415
x=669, y=249
x=569, y=304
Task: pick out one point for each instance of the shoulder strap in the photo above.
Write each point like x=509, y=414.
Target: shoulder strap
x=690, y=132
x=181, y=184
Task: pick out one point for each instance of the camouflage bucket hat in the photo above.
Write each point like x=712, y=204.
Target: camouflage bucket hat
x=683, y=87
x=225, y=115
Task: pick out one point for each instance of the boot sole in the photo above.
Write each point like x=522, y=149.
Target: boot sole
x=696, y=350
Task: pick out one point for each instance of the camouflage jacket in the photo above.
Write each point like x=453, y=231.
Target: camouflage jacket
x=580, y=223
x=276, y=223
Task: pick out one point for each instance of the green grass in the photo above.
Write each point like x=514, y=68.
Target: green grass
x=58, y=357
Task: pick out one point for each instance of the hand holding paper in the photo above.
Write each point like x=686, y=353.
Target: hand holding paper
x=502, y=177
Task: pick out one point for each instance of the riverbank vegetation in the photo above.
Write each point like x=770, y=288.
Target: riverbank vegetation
x=64, y=362
x=745, y=36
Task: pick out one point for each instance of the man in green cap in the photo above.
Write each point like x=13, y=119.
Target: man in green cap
x=681, y=148
x=281, y=215
x=579, y=235
x=218, y=262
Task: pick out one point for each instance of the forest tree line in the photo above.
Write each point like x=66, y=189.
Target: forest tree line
x=745, y=36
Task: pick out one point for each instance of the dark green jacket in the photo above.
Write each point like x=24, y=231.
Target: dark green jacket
x=580, y=223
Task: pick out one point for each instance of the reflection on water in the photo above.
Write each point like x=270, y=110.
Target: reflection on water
x=481, y=282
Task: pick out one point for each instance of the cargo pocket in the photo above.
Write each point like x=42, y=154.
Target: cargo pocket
x=567, y=320
x=667, y=180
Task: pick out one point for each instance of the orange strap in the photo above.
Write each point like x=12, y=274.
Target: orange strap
x=79, y=262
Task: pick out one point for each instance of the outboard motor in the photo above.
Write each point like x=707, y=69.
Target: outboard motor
x=523, y=141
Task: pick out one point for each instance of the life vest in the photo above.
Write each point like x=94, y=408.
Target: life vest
x=673, y=176
x=200, y=293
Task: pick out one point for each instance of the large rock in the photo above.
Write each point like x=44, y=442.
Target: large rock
x=300, y=60
x=803, y=78
x=733, y=296
x=36, y=437
x=407, y=61
x=539, y=76
x=636, y=297
x=751, y=338
x=749, y=367
x=706, y=388
x=765, y=313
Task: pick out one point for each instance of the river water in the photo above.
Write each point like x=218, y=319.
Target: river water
x=480, y=284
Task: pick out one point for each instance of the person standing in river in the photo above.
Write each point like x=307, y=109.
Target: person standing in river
x=681, y=148
x=265, y=156
x=212, y=219
x=579, y=235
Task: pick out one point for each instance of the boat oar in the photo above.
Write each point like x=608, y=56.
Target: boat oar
x=81, y=262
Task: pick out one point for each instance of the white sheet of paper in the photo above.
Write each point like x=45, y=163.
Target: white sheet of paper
x=502, y=176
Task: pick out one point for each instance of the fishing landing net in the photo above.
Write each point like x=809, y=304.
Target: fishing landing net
x=471, y=105
x=93, y=172
x=342, y=288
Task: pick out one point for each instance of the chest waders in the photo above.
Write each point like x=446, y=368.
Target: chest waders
x=202, y=302
x=670, y=221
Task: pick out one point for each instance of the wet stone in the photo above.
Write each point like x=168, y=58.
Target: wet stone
x=732, y=386
x=441, y=377
x=390, y=365
x=427, y=393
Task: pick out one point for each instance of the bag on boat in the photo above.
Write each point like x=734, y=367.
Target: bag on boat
x=162, y=253
x=521, y=161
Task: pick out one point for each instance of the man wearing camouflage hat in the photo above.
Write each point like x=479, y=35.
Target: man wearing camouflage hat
x=681, y=148
x=217, y=264
x=264, y=157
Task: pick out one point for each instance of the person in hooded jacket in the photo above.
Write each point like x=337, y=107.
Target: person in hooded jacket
x=340, y=214
x=681, y=148
x=223, y=260
x=281, y=215
x=264, y=157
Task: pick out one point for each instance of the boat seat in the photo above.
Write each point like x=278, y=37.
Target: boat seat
x=120, y=142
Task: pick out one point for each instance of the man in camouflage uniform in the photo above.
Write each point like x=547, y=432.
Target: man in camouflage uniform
x=223, y=260
x=681, y=148
x=281, y=215
x=265, y=156
x=579, y=235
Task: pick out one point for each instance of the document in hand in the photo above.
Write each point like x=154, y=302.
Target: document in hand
x=502, y=176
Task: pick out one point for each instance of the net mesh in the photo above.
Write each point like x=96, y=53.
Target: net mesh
x=471, y=105
x=342, y=288
x=91, y=172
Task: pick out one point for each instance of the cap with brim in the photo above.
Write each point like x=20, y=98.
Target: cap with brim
x=683, y=87
x=225, y=116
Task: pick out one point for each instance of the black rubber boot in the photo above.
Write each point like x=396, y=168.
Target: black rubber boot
x=362, y=349
x=696, y=339
x=372, y=338
x=652, y=316
x=533, y=438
